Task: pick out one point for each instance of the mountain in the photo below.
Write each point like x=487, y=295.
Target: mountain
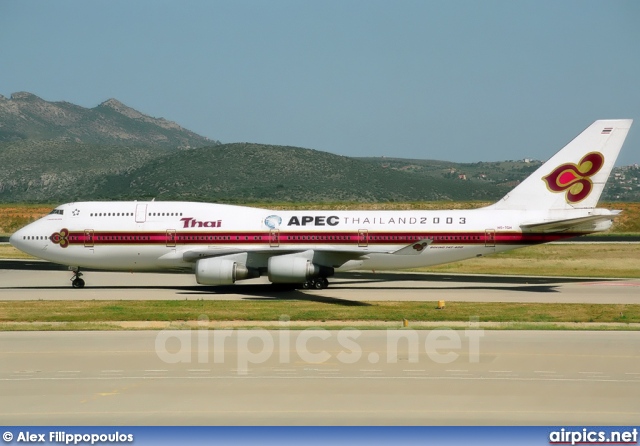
x=257, y=172
x=59, y=171
x=25, y=116
x=55, y=152
x=240, y=172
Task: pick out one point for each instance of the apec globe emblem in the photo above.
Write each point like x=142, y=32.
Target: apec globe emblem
x=273, y=221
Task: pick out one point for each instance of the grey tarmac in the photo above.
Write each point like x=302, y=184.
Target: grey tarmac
x=114, y=378
x=43, y=281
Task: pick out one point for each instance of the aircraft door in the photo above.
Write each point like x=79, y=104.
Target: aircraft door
x=141, y=213
x=88, y=238
x=490, y=238
x=363, y=238
x=274, y=238
x=171, y=238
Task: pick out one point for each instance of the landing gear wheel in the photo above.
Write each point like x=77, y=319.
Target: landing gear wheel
x=77, y=283
x=319, y=283
x=322, y=282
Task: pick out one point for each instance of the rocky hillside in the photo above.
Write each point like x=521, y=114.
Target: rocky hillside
x=63, y=172
x=26, y=117
x=258, y=172
x=57, y=170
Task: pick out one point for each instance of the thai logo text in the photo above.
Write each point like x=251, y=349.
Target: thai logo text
x=189, y=222
x=575, y=179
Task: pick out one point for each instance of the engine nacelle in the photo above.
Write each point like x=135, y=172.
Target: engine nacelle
x=220, y=271
x=294, y=269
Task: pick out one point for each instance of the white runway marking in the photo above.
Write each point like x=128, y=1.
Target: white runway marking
x=321, y=377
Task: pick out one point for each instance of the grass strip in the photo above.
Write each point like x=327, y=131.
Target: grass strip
x=376, y=325
x=194, y=310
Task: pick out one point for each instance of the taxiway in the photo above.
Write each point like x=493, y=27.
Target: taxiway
x=34, y=280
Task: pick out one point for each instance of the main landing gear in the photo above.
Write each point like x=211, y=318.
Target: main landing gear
x=76, y=279
x=319, y=283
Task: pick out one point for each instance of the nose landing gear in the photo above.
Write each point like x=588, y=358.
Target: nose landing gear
x=76, y=279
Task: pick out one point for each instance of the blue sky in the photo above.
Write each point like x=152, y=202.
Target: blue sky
x=457, y=80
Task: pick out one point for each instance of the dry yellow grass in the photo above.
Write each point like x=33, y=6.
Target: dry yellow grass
x=15, y=216
x=9, y=252
x=577, y=260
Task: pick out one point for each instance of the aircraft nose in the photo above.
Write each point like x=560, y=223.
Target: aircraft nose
x=16, y=239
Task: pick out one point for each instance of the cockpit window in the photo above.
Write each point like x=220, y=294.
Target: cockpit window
x=57, y=211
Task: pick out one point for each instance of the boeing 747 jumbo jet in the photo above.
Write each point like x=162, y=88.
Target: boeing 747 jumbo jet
x=222, y=244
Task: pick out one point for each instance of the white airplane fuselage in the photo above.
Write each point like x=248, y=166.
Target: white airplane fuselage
x=155, y=236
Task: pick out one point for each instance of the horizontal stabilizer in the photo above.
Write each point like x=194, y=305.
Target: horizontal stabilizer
x=569, y=224
x=413, y=249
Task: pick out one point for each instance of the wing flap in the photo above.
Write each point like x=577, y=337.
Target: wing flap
x=415, y=248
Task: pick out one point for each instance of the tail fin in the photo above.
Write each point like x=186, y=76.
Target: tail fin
x=575, y=176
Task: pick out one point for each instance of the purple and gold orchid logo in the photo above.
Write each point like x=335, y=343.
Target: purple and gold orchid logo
x=61, y=238
x=575, y=179
x=420, y=246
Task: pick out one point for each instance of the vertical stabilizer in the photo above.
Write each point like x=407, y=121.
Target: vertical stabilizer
x=575, y=176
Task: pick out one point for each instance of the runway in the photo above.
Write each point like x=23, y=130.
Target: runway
x=318, y=377
x=95, y=378
x=34, y=280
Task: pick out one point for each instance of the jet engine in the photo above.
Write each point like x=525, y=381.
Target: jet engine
x=295, y=269
x=220, y=271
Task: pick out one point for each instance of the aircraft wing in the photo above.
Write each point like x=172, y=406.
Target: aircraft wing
x=197, y=254
x=569, y=224
x=415, y=248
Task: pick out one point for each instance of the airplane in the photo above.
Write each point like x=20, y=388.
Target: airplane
x=223, y=244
